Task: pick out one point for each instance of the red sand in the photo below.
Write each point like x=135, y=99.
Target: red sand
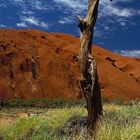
x=36, y=64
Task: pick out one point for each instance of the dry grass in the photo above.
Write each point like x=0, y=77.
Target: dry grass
x=119, y=122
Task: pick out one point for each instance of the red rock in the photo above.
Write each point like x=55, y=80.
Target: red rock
x=36, y=64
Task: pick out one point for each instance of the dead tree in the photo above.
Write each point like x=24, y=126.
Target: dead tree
x=89, y=77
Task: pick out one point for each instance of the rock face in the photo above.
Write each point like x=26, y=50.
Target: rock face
x=36, y=64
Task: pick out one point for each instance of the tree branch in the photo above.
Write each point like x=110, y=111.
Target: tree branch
x=89, y=76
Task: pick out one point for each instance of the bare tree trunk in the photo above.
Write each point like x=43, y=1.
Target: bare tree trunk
x=89, y=77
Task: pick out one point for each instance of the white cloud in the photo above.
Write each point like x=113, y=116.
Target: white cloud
x=25, y=21
x=3, y=5
x=38, y=5
x=130, y=53
x=2, y=26
x=31, y=4
x=21, y=24
x=112, y=9
x=28, y=12
x=43, y=24
x=66, y=20
x=18, y=1
x=75, y=5
x=109, y=12
x=106, y=7
x=31, y=20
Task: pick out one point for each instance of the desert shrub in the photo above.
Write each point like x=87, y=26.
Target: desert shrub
x=54, y=103
x=41, y=127
x=119, y=122
x=23, y=128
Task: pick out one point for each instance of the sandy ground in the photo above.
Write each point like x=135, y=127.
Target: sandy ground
x=9, y=116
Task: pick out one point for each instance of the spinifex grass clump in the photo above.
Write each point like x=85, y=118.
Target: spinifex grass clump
x=119, y=122
x=45, y=126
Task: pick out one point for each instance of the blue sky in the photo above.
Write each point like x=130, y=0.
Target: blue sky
x=117, y=28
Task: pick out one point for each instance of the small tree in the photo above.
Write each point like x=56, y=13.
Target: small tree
x=89, y=77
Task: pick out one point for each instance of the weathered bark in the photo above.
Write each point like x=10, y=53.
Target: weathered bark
x=89, y=77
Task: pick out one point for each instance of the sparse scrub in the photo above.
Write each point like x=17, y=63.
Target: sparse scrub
x=119, y=122
x=41, y=103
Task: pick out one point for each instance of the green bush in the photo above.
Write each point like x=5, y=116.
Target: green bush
x=54, y=103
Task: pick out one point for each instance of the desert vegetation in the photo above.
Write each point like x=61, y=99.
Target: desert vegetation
x=41, y=103
x=36, y=65
x=120, y=121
